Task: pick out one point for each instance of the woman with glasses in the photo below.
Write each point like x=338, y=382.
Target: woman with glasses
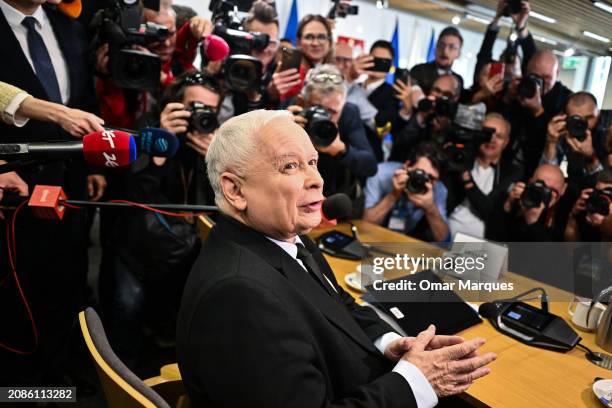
x=314, y=40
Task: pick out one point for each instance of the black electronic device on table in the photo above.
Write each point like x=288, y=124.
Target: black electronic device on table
x=341, y=245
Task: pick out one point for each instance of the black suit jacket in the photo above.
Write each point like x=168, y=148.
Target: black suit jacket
x=424, y=75
x=384, y=100
x=256, y=330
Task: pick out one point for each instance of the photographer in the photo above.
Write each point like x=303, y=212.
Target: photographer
x=422, y=122
x=540, y=98
x=483, y=190
x=578, y=136
x=135, y=275
x=538, y=211
x=379, y=93
x=408, y=197
x=262, y=18
x=345, y=156
x=591, y=219
x=448, y=49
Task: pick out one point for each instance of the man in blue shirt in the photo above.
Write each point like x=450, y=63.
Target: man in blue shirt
x=408, y=197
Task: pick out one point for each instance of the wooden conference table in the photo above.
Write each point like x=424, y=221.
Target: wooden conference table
x=522, y=376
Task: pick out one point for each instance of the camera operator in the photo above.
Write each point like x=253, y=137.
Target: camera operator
x=379, y=93
x=524, y=39
x=540, y=98
x=46, y=55
x=408, y=197
x=422, y=124
x=482, y=190
x=314, y=40
x=538, y=211
x=578, y=136
x=448, y=49
x=136, y=274
x=591, y=219
x=262, y=18
x=345, y=156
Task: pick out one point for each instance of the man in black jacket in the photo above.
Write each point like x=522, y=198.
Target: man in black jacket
x=348, y=160
x=46, y=54
x=481, y=191
x=262, y=312
x=448, y=49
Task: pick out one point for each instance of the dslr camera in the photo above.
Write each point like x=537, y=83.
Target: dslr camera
x=320, y=128
x=203, y=118
x=528, y=86
x=119, y=25
x=443, y=106
x=341, y=10
x=599, y=202
x=535, y=194
x=417, y=181
x=576, y=127
x=242, y=71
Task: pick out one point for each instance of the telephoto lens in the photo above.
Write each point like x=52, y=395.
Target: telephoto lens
x=535, y=194
x=417, y=181
x=320, y=128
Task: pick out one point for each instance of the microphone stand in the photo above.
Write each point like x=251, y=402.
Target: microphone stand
x=369, y=248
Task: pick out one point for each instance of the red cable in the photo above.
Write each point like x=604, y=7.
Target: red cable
x=12, y=252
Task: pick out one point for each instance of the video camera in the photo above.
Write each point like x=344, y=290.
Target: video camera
x=242, y=71
x=120, y=25
x=462, y=141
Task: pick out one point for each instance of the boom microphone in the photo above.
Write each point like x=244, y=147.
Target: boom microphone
x=104, y=149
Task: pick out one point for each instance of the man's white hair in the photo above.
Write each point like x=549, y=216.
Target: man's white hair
x=324, y=87
x=235, y=145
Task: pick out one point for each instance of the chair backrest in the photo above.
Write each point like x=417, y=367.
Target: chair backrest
x=205, y=224
x=122, y=387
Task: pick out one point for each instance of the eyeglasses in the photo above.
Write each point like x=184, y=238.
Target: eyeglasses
x=323, y=77
x=319, y=37
x=452, y=47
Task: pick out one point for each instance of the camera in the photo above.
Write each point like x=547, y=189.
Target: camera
x=119, y=25
x=417, y=181
x=442, y=106
x=203, y=118
x=341, y=10
x=599, y=202
x=577, y=126
x=528, y=86
x=320, y=128
x=513, y=7
x=241, y=71
x=535, y=194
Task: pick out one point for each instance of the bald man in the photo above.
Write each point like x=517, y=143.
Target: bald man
x=584, y=151
x=545, y=222
x=530, y=116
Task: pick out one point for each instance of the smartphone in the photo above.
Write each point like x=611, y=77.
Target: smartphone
x=403, y=74
x=496, y=69
x=290, y=58
x=381, y=65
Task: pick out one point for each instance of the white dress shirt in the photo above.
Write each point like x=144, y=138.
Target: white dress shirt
x=423, y=392
x=43, y=27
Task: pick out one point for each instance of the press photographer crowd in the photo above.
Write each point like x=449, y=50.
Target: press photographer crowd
x=119, y=101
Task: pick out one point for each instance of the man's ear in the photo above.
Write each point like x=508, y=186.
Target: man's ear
x=231, y=186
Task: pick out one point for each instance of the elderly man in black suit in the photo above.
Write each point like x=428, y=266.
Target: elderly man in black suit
x=46, y=55
x=448, y=49
x=263, y=321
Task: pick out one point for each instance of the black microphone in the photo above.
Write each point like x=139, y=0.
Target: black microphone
x=337, y=207
x=491, y=310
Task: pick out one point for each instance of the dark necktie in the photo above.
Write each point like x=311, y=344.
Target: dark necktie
x=42, y=61
x=309, y=262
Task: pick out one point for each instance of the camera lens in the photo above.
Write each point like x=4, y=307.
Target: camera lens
x=425, y=105
x=577, y=127
x=599, y=203
x=322, y=132
x=417, y=182
x=535, y=194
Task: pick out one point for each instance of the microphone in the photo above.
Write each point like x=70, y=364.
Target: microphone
x=105, y=149
x=337, y=206
x=71, y=8
x=491, y=310
x=214, y=48
x=153, y=141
